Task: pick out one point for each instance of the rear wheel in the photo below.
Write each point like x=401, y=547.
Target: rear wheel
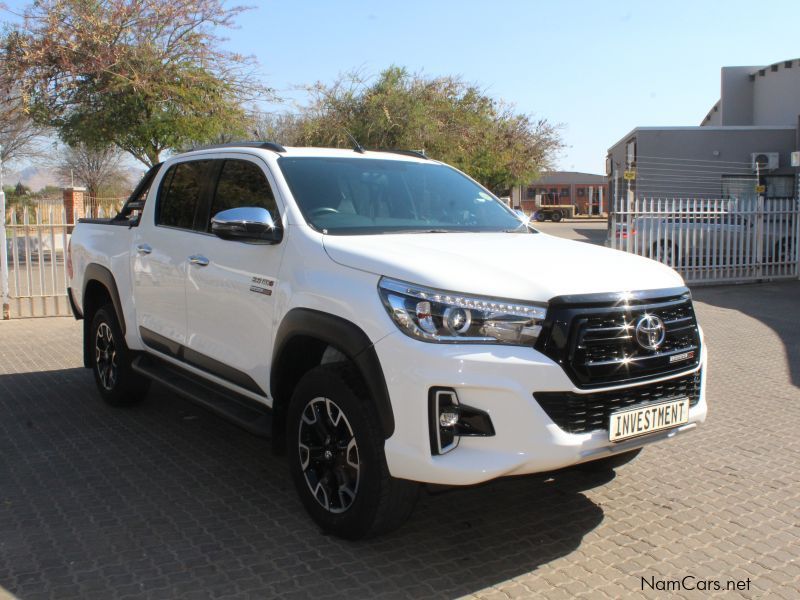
x=116, y=381
x=783, y=251
x=665, y=253
x=557, y=216
x=336, y=457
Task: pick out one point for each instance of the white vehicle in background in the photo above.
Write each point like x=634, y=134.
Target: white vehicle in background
x=702, y=238
x=386, y=320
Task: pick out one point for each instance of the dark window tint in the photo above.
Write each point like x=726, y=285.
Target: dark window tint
x=181, y=193
x=243, y=183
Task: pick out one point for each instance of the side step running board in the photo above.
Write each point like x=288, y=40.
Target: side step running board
x=246, y=413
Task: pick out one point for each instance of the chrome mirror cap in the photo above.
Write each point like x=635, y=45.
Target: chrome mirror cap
x=246, y=224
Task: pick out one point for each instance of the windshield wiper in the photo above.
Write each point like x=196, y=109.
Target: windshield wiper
x=522, y=228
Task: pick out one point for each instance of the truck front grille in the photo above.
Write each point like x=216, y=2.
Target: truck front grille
x=582, y=413
x=593, y=337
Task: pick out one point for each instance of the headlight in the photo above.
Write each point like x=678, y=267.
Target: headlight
x=437, y=316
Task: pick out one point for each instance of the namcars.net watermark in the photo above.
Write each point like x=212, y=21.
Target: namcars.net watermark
x=690, y=583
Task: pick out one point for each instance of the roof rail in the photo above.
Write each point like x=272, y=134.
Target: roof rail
x=416, y=153
x=248, y=144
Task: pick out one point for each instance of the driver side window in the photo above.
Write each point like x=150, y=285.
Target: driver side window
x=242, y=183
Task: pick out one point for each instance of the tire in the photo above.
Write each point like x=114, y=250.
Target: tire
x=783, y=251
x=610, y=462
x=557, y=216
x=333, y=434
x=668, y=253
x=540, y=217
x=117, y=383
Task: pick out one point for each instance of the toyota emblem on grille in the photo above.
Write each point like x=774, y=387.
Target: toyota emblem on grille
x=650, y=332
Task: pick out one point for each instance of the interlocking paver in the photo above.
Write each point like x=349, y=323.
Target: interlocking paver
x=165, y=500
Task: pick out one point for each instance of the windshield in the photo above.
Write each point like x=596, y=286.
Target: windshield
x=349, y=196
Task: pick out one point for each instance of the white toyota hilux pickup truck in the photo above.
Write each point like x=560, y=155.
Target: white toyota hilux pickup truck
x=386, y=320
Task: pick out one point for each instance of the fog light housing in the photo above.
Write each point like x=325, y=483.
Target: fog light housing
x=449, y=420
x=448, y=417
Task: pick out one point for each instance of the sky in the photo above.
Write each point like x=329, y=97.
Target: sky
x=597, y=68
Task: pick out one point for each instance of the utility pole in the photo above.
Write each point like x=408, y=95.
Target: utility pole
x=6, y=314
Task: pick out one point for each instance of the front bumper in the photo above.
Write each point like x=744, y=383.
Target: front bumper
x=499, y=380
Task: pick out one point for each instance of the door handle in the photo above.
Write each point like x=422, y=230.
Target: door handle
x=199, y=260
x=144, y=249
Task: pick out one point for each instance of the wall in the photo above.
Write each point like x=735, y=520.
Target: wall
x=736, y=94
x=776, y=98
x=681, y=161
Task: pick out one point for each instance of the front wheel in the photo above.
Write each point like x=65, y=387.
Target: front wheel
x=557, y=216
x=336, y=457
x=116, y=381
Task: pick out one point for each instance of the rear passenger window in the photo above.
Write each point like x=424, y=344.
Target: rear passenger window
x=181, y=193
x=242, y=183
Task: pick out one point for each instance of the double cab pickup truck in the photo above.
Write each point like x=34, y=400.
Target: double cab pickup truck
x=385, y=320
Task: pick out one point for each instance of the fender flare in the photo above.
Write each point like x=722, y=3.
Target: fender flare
x=346, y=337
x=103, y=276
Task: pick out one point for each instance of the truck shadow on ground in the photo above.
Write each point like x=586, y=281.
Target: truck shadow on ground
x=773, y=304
x=167, y=500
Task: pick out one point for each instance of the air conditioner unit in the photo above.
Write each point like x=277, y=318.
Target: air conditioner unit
x=764, y=161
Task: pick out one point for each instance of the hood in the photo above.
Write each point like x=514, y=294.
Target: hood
x=534, y=267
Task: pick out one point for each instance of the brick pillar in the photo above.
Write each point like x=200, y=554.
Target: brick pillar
x=74, y=203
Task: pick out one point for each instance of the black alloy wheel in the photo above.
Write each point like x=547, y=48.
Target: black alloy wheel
x=105, y=352
x=328, y=454
x=116, y=381
x=336, y=456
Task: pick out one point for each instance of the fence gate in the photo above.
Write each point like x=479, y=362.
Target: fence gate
x=35, y=249
x=712, y=240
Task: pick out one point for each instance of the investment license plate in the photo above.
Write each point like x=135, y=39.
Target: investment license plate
x=654, y=417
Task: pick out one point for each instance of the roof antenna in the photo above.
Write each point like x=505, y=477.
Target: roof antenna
x=356, y=146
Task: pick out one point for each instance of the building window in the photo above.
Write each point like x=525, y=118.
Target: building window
x=581, y=191
x=630, y=151
x=780, y=186
x=564, y=191
x=738, y=186
x=531, y=193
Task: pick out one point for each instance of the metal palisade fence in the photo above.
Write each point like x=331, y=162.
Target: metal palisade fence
x=712, y=240
x=33, y=273
x=36, y=241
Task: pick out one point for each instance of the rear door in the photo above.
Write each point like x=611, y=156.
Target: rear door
x=230, y=287
x=159, y=255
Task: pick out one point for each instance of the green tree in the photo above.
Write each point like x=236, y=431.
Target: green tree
x=143, y=75
x=449, y=119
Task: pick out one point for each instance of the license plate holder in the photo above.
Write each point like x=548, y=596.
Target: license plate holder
x=641, y=420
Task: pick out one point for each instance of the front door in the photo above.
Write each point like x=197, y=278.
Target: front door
x=230, y=286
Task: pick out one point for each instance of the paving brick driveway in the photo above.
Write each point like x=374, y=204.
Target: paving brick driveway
x=168, y=501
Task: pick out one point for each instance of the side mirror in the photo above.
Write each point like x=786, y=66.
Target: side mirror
x=246, y=224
